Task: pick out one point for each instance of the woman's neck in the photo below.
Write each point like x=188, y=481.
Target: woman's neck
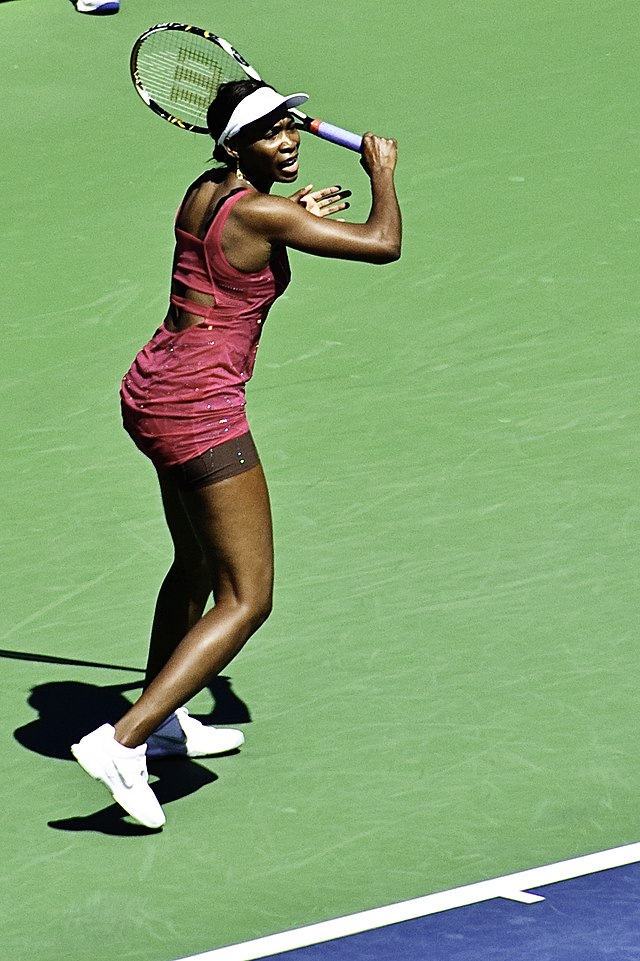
x=242, y=180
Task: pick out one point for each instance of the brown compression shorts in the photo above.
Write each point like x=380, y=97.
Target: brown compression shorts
x=217, y=464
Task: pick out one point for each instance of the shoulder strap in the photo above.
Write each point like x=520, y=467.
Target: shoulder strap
x=206, y=226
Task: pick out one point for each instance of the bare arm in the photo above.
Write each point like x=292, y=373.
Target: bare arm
x=276, y=220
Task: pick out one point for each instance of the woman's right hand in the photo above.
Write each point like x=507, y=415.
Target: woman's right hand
x=274, y=221
x=378, y=153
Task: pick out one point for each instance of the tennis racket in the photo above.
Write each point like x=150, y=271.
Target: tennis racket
x=177, y=70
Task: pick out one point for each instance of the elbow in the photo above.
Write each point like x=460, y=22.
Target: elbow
x=388, y=254
x=389, y=246
x=394, y=254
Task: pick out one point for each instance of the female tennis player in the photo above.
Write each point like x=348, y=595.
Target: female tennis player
x=183, y=403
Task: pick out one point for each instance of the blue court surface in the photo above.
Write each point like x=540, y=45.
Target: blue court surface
x=588, y=915
x=586, y=919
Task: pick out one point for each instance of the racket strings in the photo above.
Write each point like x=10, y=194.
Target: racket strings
x=196, y=79
x=184, y=78
x=182, y=91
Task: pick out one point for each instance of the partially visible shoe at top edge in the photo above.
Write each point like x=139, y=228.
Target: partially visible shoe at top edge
x=123, y=771
x=183, y=736
x=97, y=6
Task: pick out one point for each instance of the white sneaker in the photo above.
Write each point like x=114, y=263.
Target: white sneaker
x=123, y=771
x=97, y=6
x=183, y=735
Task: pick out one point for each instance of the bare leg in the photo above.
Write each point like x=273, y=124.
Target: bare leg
x=232, y=524
x=186, y=587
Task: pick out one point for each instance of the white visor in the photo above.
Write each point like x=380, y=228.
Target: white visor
x=256, y=105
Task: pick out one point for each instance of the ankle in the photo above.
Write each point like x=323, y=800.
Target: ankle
x=127, y=737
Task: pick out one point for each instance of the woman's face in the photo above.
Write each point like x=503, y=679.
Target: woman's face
x=274, y=156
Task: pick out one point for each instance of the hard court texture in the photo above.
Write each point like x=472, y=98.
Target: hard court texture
x=447, y=689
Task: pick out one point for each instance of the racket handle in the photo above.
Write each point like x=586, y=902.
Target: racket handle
x=344, y=138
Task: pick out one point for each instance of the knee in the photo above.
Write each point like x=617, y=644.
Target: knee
x=247, y=595
x=265, y=608
x=258, y=608
x=253, y=603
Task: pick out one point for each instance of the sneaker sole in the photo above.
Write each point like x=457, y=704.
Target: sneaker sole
x=159, y=747
x=233, y=746
x=86, y=760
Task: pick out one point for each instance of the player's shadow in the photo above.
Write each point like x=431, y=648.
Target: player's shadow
x=69, y=709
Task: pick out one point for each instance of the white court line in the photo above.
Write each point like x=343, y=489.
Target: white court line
x=513, y=887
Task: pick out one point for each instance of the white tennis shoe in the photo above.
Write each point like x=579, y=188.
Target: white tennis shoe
x=123, y=771
x=183, y=735
x=97, y=6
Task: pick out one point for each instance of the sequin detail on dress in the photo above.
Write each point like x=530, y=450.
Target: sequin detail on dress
x=185, y=391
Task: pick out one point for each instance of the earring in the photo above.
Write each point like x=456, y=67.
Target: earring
x=239, y=174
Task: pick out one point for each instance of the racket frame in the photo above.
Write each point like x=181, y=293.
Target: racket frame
x=320, y=128
x=196, y=31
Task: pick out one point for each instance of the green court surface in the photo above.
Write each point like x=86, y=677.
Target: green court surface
x=446, y=691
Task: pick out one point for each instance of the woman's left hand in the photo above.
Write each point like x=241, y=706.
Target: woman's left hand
x=322, y=203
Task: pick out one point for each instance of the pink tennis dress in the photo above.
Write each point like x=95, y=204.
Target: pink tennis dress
x=185, y=391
